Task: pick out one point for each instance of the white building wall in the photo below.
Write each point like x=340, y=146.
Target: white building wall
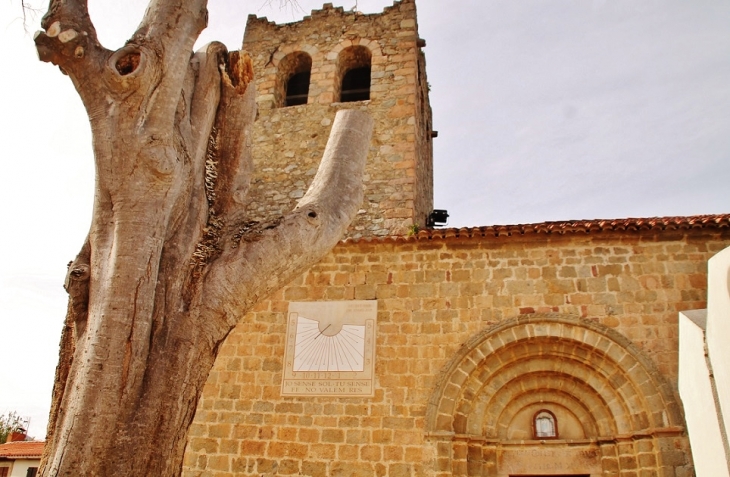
x=718, y=328
x=695, y=388
x=20, y=466
x=704, y=372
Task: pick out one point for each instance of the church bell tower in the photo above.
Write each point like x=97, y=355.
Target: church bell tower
x=305, y=72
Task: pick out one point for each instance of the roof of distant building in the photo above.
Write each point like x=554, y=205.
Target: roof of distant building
x=22, y=450
x=717, y=221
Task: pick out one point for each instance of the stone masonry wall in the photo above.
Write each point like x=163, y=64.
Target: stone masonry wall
x=424, y=146
x=433, y=295
x=288, y=142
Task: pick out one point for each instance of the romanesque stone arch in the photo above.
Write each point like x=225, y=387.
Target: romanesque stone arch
x=353, y=54
x=605, y=393
x=295, y=66
x=372, y=45
x=287, y=60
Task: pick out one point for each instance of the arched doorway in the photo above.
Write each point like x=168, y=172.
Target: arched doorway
x=550, y=394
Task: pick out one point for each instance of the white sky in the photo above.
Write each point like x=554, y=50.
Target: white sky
x=546, y=110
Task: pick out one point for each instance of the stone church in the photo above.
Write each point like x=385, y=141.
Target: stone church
x=545, y=349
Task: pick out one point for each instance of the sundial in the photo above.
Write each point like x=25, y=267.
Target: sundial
x=330, y=348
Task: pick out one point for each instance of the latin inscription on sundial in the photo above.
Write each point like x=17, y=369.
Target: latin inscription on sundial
x=330, y=349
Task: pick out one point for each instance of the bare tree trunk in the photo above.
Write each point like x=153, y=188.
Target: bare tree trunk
x=170, y=264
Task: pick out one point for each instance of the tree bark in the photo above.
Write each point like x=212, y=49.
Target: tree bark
x=170, y=264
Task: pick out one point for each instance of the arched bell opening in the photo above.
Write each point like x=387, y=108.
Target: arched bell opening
x=353, y=74
x=292, y=79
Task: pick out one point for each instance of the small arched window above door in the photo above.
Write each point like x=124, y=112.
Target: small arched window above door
x=544, y=424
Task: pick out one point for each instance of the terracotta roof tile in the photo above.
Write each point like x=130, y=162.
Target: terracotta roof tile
x=21, y=450
x=717, y=221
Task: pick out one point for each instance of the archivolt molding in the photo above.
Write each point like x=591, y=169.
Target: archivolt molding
x=547, y=364
x=371, y=45
x=589, y=410
x=564, y=357
x=288, y=49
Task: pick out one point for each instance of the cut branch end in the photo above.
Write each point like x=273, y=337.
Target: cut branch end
x=238, y=72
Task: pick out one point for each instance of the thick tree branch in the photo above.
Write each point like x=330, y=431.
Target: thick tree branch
x=228, y=161
x=168, y=32
x=166, y=19
x=194, y=121
x=236, y=114
x=268, y=259
x=205, y=97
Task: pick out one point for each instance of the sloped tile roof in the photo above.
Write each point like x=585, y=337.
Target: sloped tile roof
x=21, y=450
x=717, y=221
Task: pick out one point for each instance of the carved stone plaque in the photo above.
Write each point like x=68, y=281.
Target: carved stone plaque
x=330, y=349
x=550, y=460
